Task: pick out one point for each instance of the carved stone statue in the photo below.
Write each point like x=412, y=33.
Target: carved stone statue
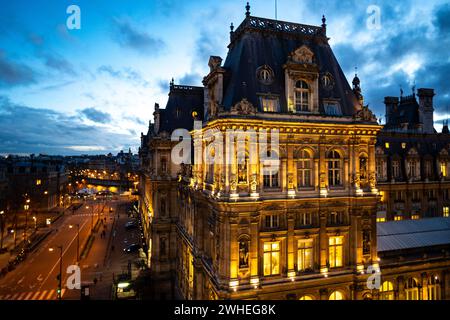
x=244, y=107
x=365, y=114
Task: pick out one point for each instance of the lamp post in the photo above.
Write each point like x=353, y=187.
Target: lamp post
x=59, y=277
x=26, y=207
x=2, y=213
x=78, y=240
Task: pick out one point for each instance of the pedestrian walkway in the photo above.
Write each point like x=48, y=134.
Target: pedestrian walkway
x=34, y=295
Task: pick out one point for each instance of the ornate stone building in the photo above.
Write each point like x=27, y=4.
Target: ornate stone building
x=412, y=160
x=295, y=219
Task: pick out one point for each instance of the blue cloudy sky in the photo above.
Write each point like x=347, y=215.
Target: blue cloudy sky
x=93, y=90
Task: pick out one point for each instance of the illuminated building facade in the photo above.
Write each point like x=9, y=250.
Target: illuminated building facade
x=412, y=160
x=237, y=229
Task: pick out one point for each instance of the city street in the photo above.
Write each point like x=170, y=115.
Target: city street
x=36, y=277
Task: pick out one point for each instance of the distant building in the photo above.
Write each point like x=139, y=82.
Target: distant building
x=412, y=160
x=42, y=179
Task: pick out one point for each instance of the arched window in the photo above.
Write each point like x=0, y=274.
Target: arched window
x=301, y=96
x=304, y=169
x=433, y=288
x=412, y=289
x=387, y=291
x=336, y=295
x=306, y=297
x=334, y=168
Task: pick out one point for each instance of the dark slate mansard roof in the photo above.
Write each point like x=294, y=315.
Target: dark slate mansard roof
x=182, y=102
x=257, y=42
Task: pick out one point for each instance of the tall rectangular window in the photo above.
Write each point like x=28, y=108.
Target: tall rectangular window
x=444, y=169
x=271, y=178
x=396, y=169
x=335, y=251
x=271, y=258
x=446, y=212
x=305, y=255
x=38, y=182
x=272, y=221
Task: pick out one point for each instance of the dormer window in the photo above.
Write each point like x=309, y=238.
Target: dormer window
x=332, y=109
x=270, y=104
x=302, y=96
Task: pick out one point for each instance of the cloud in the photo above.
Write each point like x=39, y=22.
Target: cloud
x=30, y=130
x=14, y=73
x=127, y=74
x=128, y=36
x=96, y=115
x=59, y=64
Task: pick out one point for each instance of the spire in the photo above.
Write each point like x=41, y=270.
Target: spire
x=414, y=88
x=172, y=83
x=247, y=10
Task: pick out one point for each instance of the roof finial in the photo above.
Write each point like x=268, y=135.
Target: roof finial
x=324, y=21
x=414, y=88
x=401, y=91
x=231, y=27
x=247, y=10
x=172, y=82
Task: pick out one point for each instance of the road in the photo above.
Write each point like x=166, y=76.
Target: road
x=36, y=277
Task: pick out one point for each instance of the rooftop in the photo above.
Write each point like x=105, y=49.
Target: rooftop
x=409, y=234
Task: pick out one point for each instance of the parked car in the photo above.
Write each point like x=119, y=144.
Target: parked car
x=131, y=225
x=132, y=248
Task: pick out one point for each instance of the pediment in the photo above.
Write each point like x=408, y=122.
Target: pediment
x=303, y=55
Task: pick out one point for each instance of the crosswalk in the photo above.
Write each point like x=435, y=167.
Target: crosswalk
x=37, y=295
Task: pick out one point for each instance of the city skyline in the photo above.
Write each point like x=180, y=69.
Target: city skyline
x=94, y=102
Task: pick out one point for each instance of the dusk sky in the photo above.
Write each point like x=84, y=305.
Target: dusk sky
x=93, y=90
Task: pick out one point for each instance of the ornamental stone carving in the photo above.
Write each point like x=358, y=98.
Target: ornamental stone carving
x=244, y=107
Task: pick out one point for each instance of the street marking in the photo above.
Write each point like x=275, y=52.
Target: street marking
x=21, y=296
x=14, y=297
x=62, y=292
x=28, y=296
x=35, y=295
x=49, y=297
x=42, y=295
x=21, y=280
x=40, y=278
x=7, y=296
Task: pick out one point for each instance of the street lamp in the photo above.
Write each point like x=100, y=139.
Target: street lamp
x=78, y=240
x=26, y=207
x=59, y=277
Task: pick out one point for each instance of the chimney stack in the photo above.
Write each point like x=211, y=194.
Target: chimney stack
x=426, y=109
x=391, y=107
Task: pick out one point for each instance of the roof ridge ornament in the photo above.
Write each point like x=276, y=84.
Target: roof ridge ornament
x=247, y=10
x=324, y=24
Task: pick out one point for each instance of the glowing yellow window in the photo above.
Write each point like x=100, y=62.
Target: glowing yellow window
x=446, y=212
x=386, y=145
x=271, y=258
x=403, y=145
x=381, y=219
x=305, y=255
x=415, y=217
x=387, y=291
x=398, y=218
x=444, y=169
x=38, y=182
x=337, y=295
x=335, y=251
x=306, y=298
